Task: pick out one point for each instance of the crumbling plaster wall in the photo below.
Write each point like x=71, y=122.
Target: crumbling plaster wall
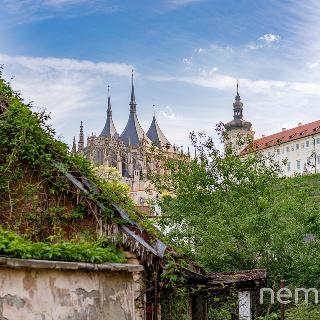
x=49, y=294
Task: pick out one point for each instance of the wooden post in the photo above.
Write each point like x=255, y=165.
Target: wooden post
x=199, y=306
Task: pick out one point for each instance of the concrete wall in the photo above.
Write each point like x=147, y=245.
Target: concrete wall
x=43, y=290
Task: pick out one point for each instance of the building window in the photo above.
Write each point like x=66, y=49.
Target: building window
x=307, y=144
x=288, y=167
x=292, y=148
x=318, y=140
x=298, y=165
x=297, y=146
x=269, y=153
x=288, y=149
x=278, y=151
x=318, y=159
x=302, y=145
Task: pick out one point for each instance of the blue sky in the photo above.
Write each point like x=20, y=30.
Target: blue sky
x=187, y=55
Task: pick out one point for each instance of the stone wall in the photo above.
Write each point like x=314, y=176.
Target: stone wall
x=43, y=290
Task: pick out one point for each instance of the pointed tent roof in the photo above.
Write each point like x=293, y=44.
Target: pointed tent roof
x=156, y=135
x=109, y=130
x=133, y=131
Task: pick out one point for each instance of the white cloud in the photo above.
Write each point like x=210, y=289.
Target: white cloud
x=199, y=50
x=70, y=89
x=211, y=79
x=182, y=3
x=30, y=11
x=264, y=41
x=46, y=64
x=167, y=113
x=304, y=26
x=222, y=48
x=270, y=37
x=59, y=3
x=187, y=61
x=313, y=65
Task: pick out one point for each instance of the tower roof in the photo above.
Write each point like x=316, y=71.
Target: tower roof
x=109, y=130
x=133, y=132
x=133, y=105
x=238, y=123
x=156, y=135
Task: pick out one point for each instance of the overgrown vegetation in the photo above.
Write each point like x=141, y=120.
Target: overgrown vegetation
x=99, y=251
x=174, y=305
x=304, y=312
x=235, y=214
x=36, y=200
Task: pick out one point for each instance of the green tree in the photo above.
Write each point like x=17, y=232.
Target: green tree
x=233, y=213
x=303, y=312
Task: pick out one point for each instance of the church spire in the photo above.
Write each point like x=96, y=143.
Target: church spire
x=81, y=139
x=156, y=135
x=133, y=132
x=109, y=130
x=109, y=111
x=238, y=96
x=133, y=105
x=238, y=106
x=74, y=146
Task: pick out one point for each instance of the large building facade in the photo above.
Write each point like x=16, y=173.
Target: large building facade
x=296, y=149
x=131, y=152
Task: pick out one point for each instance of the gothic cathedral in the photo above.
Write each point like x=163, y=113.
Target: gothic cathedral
x=129, y=152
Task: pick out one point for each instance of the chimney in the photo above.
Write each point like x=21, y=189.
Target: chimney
x=284, y=129
x=299, y=124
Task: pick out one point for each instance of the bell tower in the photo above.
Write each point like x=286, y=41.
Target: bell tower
x=238, y=132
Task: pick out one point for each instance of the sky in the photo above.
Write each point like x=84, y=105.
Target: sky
x=187, y=56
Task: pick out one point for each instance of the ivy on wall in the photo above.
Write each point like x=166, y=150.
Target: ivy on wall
x=37, y=201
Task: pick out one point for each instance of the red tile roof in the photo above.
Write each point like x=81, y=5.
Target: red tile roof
x=276, y=139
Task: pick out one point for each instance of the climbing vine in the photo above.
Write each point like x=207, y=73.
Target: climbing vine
x=36, y=199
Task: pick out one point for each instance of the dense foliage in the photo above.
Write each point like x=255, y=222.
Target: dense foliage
x=303, y=312
x=99, y=251
x=36, y=200
x=233, y=213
